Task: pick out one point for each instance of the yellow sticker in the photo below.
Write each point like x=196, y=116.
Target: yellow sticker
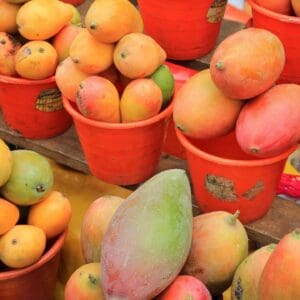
x=216, y=11
x=49, y=100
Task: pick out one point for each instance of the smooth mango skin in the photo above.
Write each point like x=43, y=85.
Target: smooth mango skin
x=42, y=19
x=247, y=63
x=281, y=276
x=220, y=244
x=148, y=238
x=269, y=124
x=31, y=178
x=247, y=275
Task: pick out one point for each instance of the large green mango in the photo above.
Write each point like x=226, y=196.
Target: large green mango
x=31, y=178
x=148, y=238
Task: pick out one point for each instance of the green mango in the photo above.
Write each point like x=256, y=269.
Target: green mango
x=148, y=238
x=30, y=180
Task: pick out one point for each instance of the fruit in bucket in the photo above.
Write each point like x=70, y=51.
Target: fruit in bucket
x=211, y=231
x=9, y=46
x=52, y=214
x=85, y=283
x=63, y=40
x=8, y=12
x=141, y=100
x=254, y=57
x=98, y=99
x=202, y=111
x=74, y=2
x=76, y=17
x=9, y=215
x=89, y=55
x=148, y=238
x=164, y=78
x=278, y=6
x=6, y=162
x=186, y=287
x=94, y=225
x=296, y=7
x=36, y=60
x=109, y=21
x=30, y=180
x=261, y=134
x=137, y=55
x=22, y=246
x=64, y=71
x=55, y=13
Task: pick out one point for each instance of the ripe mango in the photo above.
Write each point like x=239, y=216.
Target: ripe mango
x=148, y=238
x=42, y=19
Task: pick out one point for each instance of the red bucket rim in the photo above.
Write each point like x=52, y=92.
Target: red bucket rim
x=24, y=81
x=274, y=15
x=236, y=162
x=77, y=116
x=54, y=250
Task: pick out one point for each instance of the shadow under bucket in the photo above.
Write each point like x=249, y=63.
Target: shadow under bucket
x=33, y=108
x=287, y=28
x=226, y=178
x=121, y=153
x=184, y=29
x=37, y=281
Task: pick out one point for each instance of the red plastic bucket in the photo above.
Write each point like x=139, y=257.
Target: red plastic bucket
x=34, y=282
x=185, y=29
x=33, y=108
x=122, y=154
x=225, y=178
x=287, y=28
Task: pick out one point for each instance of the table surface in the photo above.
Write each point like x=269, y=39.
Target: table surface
x=283, y=217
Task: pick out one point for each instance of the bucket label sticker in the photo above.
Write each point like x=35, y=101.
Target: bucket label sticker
x=255, y=190
x=49, y=100
x=221, y=187
x=216, y=11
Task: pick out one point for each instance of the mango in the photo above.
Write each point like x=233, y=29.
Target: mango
x=202, y=111
x=96, y=56
x=42, y=19
x=281, y=274
x=109, y=21
x=247, y=63
x=138, y=55
x=31, y=178
x=6, y=162
x=247, y=275
x=8, y=12
x=85, y=283
x=94, y=225
x=141, y=99
x=258, y=133
x=9, y=46
x=219, y=245
x=148, y=238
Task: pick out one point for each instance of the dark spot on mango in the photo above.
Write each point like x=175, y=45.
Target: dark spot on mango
x=93, y=25
x=2, y=41
x=81, y=85
x=14, y=241
x=41, y=50
x=75, y=60
x=238, y=292
x=40, y=188
x=92, y=279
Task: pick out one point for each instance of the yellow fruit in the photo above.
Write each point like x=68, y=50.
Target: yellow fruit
x=22, y=246
x=109, y=21
x=5, y=163
x=52, y=214
x=42, y=19
x=8, y=12
x=9, y=215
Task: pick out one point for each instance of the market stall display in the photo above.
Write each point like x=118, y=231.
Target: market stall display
x=180, y=227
